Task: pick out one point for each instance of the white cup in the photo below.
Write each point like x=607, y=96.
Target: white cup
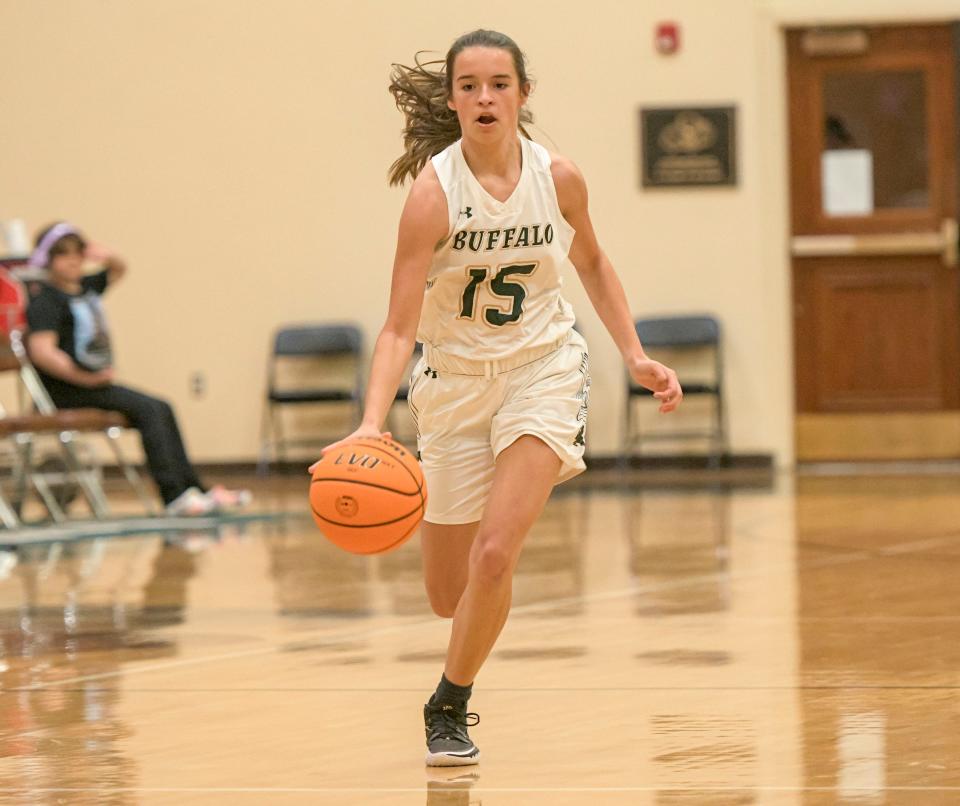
x=15, y=234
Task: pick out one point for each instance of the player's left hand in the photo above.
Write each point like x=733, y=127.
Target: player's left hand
x=659, y=379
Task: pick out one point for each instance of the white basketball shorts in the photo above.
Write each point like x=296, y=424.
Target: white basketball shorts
x=468, y=411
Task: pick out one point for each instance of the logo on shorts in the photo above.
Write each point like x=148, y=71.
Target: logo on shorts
x=584, y=396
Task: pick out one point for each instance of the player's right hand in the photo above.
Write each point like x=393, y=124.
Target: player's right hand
x=367, y=431
x=659, y=379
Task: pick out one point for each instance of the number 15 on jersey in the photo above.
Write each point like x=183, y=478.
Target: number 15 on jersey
x=512, y=292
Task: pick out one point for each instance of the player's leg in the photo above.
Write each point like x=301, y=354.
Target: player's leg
x=459, y=469
x=445, y=551
x=537, y=436
x=459, y=472
x=524, y=475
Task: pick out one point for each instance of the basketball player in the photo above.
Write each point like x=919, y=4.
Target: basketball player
x=500, y=395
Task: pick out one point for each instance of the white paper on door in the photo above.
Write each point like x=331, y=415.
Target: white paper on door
x=847, y=182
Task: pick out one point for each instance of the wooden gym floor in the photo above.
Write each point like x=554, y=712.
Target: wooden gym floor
x=794, y=644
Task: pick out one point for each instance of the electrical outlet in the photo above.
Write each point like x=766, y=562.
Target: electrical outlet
x=198, y=384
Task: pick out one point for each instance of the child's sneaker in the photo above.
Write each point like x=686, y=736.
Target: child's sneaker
x=222, y=498
x=190, y=502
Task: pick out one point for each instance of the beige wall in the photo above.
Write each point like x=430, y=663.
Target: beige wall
x=235, y=153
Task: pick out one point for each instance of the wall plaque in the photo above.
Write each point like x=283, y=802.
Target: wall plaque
x=688, y=146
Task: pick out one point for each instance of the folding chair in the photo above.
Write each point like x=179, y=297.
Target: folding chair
x=22, y=431
x=64, y=425
x=681, y=336
x=305, y=347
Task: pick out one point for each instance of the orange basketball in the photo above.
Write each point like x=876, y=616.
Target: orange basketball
x=368, y=496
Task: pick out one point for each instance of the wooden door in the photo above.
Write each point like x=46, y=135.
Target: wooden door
x=873, y=152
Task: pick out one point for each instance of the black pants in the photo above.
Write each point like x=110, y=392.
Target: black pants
x=153, y=418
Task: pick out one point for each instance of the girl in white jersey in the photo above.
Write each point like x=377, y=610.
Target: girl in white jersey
x=500, y=395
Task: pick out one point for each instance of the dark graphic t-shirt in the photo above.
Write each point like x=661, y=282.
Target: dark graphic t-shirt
x=78, y=320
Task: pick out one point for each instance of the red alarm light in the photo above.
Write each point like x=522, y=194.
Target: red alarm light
x=667, y=38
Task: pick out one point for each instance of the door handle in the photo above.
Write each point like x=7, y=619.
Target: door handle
x=944, y=243
x=951, y=241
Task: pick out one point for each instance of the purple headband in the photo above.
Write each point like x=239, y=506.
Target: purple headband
x=41, y=255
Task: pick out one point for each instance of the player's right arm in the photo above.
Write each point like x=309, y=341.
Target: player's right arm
x=423, y=224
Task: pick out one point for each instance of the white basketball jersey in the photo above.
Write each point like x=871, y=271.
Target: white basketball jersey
x=494, y=284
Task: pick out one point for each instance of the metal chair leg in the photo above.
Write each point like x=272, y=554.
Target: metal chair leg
x=280, y=447
x=24, y=447
x=92, y=491
x=7, y=514
x=21, y=482
x=266, y=444
x=719, y=438
x=48, y=498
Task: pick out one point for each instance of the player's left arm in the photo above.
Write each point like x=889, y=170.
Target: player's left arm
x=604, y=288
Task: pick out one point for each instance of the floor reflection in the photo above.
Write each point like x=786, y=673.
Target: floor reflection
x=73, y=615
x=69, y=613
x=312, y=578
x=794, y=647
x=674, y=536
x=165, y=592
x=401, y=574
x=91, y=602
x=551, y=565
x=880, y=635
x=451, y=786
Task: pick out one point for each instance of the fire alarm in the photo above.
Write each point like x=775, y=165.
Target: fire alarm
x=667, y=38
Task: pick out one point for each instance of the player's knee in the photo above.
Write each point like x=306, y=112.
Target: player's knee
x=443, y=596
x=491, y=560
x=443, y=603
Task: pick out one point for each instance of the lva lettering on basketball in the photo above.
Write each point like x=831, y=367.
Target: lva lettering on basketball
x=486, y=240
x=362, y=459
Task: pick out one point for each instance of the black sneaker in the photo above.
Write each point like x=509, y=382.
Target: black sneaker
x=448, y=744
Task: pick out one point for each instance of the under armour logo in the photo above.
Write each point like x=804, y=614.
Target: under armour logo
x=468, y=212
x=430, y=373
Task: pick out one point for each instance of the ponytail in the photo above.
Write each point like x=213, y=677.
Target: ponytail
x=421, y=93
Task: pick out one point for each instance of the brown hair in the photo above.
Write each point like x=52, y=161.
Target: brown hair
x=421, y=93
x=67, y=243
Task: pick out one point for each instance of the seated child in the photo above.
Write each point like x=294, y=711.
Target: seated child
x=69, y=344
